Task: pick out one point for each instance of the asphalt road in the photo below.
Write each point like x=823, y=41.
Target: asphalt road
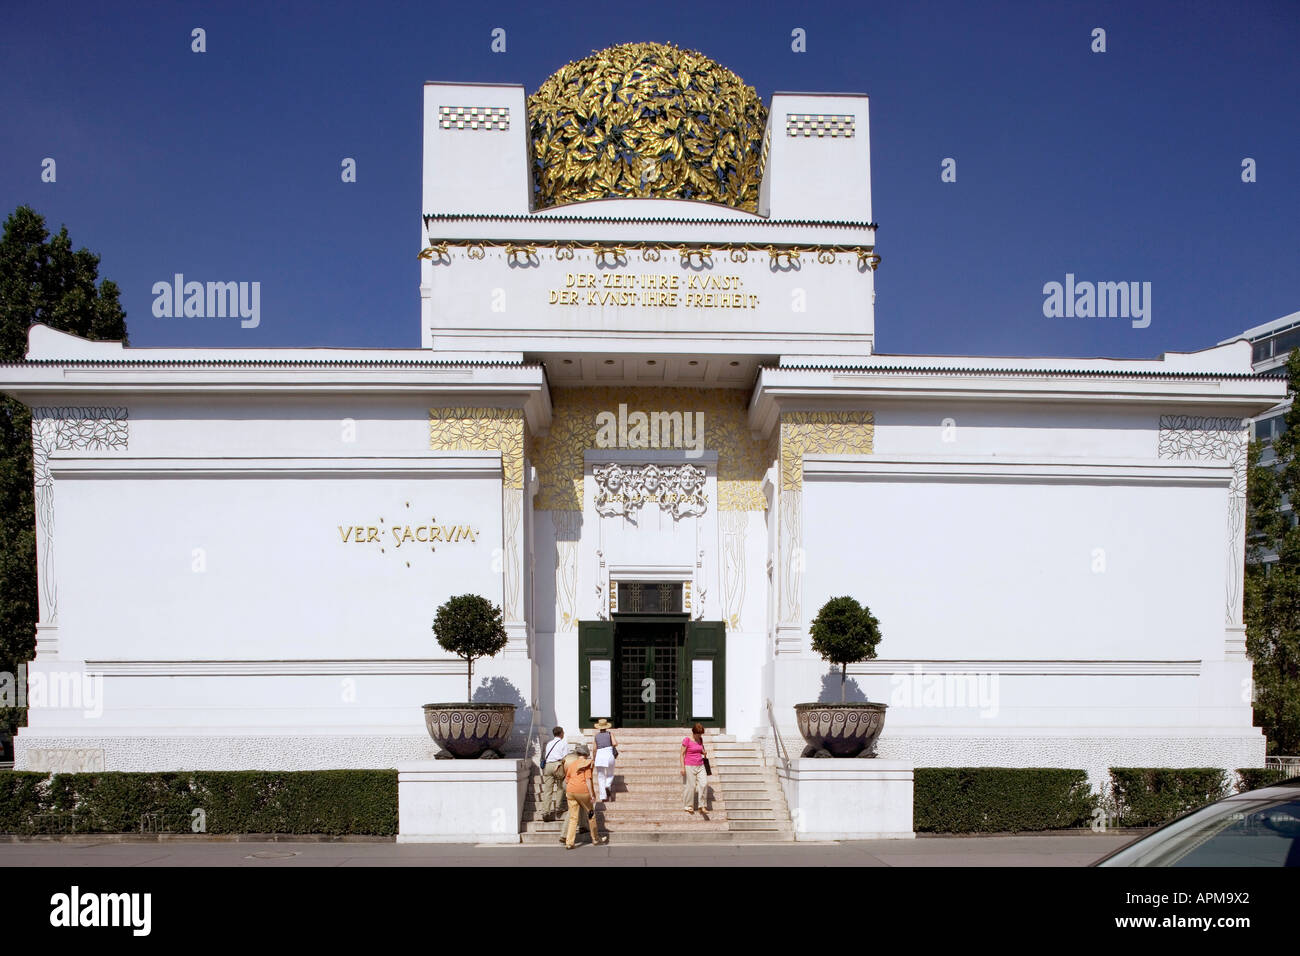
x=1066, y=851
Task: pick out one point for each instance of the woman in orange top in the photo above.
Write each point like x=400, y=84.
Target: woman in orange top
x=580, y=790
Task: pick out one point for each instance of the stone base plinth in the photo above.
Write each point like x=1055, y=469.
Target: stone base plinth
x=460, y=801
x=851, y=798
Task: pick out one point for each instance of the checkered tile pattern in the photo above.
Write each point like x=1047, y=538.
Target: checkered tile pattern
x=818, y=124
x=474, y=117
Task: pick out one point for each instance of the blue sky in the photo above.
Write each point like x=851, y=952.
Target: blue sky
x=1115, y=166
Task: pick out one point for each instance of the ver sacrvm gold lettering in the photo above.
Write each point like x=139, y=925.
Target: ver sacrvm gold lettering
x=409, y=534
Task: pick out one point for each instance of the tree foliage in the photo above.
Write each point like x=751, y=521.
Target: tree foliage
x=42, y=279
x=470, y=627
x=1272, y=591
x=844, y=632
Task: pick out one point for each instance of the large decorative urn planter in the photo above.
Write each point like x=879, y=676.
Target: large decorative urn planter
x=840, y=730
x=470, y=730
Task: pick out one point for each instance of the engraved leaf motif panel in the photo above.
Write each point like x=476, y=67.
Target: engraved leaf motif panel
x=482, y=429
x=1199, y=438
x=821, y=433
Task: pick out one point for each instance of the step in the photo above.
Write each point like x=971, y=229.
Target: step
x=768, y=805
x=687, y=825
x=633, y=837
x=659, y=783
x=658, y=810
x=756, y=814
x=625, y=798
x=645, y=792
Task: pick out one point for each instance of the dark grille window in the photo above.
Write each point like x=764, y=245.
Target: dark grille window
x=649, y=597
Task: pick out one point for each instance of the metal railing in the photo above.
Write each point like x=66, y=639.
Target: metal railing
x=781, y=753
x=1288, y=765
x=532, y=732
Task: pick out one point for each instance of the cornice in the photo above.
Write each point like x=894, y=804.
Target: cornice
x=466, y=464
x=542, y=217
x=264, y=363
x=1009, y=470
x=867, y=386
x=1062, y=372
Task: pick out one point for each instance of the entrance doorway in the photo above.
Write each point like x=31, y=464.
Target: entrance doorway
x=649, y=675
x=652, y=670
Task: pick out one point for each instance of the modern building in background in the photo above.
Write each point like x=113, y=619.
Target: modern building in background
x=1270, y=347
x=648, y=420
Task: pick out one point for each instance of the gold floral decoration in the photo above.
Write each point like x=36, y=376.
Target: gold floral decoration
x=821, y=433
x=482, y=429
x=647, y=120
x=742, y=461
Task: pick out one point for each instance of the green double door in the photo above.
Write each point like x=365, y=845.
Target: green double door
x=642, y=671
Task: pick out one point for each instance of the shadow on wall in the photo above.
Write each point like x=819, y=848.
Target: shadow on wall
x=830, y=692
x=499, y=690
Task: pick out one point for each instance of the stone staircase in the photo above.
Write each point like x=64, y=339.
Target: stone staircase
x=745, y=803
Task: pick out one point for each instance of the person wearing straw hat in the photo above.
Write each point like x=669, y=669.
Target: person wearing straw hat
x=606, y=751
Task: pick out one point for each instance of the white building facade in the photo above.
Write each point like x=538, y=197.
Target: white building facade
x=654, y=430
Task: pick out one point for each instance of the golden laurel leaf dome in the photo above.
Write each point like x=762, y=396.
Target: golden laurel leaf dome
x=649, y=120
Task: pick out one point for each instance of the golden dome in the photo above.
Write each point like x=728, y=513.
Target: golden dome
x=646, y=119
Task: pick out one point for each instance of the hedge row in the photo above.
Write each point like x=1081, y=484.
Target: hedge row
x=1000, y=799
x=333, y=802
x=1151, y=796
x=1252, y=778
x=338, y=802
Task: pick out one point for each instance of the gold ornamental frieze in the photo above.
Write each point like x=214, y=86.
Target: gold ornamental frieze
x=581, y=421
x=482, y=429
x=783, y=257
x=821, y=433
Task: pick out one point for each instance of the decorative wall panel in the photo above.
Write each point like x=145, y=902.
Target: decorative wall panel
x=741, y=460
x=819, y=124
x=568, y=529
x=65, y=428
x=482, y=429
x=474, y=117
x=732, y=526
x=1197, y=438
x=821, y=433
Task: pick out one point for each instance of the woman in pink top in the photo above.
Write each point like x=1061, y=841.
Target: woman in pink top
x=693, y=769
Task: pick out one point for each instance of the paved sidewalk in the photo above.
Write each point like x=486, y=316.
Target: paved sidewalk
x=1073, y=850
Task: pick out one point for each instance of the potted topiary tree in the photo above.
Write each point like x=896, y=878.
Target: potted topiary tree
x=470, y=627
x=843, y=632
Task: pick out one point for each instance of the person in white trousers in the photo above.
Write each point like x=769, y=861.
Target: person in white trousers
x=606, y=746
x=694, y=780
